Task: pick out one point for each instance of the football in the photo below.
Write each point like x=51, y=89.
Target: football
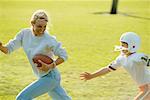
x=44, y=58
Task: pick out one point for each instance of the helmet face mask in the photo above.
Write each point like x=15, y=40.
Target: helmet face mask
x=123, y=48
x=120, y=48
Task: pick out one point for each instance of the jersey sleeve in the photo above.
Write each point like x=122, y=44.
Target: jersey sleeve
x=15, y=43
x=115, y=64
x=57, y=49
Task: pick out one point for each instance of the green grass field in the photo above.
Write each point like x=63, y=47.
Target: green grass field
x=89, y=38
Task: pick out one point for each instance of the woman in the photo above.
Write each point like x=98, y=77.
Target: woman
x=36, y=40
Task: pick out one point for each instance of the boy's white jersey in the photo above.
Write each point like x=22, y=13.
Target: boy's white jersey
x=135, y=65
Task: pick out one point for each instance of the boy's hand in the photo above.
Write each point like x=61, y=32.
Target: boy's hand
x=86, y=76
x=45, y=67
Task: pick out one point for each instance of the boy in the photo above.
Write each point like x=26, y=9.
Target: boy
x=134, y=63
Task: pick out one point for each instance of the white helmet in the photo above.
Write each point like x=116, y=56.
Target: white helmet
x=132, y=39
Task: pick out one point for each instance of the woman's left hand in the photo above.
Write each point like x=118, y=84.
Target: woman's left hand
x=45, y=67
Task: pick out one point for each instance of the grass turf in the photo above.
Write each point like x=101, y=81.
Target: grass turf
x=88, y=33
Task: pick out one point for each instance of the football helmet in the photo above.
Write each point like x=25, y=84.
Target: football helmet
x=133, y=41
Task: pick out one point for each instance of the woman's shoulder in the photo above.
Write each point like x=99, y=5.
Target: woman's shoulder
x=25, y=31
x=49, y=36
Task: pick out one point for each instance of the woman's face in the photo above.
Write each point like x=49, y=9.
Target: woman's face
x=39, y=27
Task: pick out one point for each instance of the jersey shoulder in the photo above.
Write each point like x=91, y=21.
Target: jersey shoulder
x=120, y=58
x=140, y=57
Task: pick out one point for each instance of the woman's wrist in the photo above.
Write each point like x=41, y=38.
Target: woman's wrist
x=54, y=64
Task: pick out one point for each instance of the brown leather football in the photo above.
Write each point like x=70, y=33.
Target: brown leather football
x=43, y=58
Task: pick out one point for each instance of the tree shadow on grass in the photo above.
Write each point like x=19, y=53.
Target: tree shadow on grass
x=122, y=13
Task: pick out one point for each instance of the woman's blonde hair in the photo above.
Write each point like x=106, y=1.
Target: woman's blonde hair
x=39, y=14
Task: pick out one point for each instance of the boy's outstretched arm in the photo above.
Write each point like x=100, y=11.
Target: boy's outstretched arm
x=3, y=48
x=100, y=72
